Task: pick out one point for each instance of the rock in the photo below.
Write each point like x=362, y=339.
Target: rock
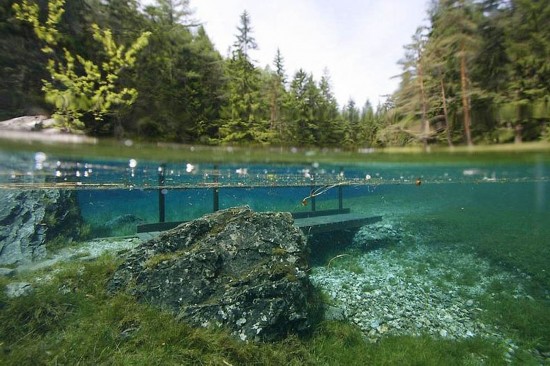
x=40, y=128
x=28, y=219
x=121, y=225
x=235, y=268
x=27, y=123
x=376, y=235
x=6, y=272
x=123, y=220
x=334, y=313
x=18, y=289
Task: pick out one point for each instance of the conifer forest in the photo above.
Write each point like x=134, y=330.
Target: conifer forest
x=477, y=73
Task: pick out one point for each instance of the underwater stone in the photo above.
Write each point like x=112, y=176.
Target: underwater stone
x=18, y=289
x=28, y=219
x=124, y=220
x=376, y=235
x=6, y=272
x=230, y=268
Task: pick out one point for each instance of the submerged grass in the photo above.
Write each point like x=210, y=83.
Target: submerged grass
x=513, y=242
x=70, y=319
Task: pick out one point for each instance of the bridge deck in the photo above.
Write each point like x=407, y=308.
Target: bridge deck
x=322, y=224
x=309, y=225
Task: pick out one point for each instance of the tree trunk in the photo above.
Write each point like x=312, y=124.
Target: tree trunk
x=518, y=128
x=446, y=114
x=273, y=109
x=425, y=122
x=465, y=100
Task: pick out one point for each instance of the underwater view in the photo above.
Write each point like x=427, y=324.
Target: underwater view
x=431, y=261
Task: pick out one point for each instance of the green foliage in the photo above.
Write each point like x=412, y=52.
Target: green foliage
x=477, y=73
x=78, y=85
x=242, y=117
x=482, y=64
x=48, y=33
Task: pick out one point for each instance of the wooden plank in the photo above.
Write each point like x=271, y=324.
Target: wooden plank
x=158, y=226
x=304, y=214
x=323, y=224
x=309, y=225
x=163, y=226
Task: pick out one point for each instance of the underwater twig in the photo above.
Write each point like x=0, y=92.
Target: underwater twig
x=338, y=256
x=321, y=190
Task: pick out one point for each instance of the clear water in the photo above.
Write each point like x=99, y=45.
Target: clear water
x=495, y=210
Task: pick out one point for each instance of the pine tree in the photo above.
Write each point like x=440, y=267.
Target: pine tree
x=528, y=49
x=275, y=93
x=456, y=31
x=331, y=131
x=242, y=119
x=302, y=103
x=352, y=119
x=369, y=125
x=413, y=101
x=245, y=41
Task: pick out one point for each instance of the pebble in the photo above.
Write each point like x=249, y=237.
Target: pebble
x=412, y=289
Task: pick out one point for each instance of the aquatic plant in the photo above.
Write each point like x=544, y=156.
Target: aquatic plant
x=70, y=319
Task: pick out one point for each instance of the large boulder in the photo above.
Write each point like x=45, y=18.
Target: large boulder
x=235, y=268
x=30, y=218
x=27, y=123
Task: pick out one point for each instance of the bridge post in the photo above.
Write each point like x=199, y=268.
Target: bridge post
x=162, y=193
x=341, y=192
x=216, y=190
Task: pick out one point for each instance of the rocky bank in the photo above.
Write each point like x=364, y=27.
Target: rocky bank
x=30, y=218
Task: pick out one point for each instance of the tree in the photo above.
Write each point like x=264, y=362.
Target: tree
x=412, y=99
x=72, y=92
x=528, y=49
x=241, y=117
x=205, y=89
x=245, y=42
x=302, y=106
x=170, y=12
x=275, y=94
x=331, y=127
x=352, y=118
x=455, y=28
x=369, y=124
x=22, y=67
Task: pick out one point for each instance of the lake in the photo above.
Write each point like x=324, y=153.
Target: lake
x=461, y=253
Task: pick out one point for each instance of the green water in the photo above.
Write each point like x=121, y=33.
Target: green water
x=491, y=207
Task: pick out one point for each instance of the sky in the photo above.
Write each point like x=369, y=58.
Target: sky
x=359, y=42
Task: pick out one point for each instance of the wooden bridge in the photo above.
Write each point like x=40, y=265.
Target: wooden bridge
x=312, y=222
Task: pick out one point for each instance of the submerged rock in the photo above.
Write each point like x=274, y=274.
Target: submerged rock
x=235, y=268
x=120, y=221
x=28, y=219
x=376, y=235
x=6, y=272
x=18, y=289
